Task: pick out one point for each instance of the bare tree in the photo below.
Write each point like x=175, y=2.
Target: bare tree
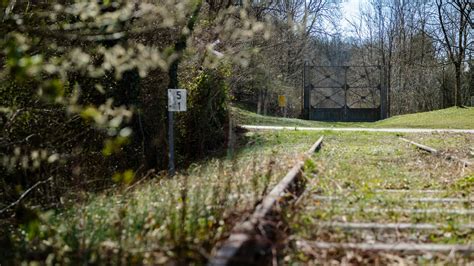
x=453, y=19
x=277, y=69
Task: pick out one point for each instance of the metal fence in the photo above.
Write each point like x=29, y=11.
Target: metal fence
x=344, y=93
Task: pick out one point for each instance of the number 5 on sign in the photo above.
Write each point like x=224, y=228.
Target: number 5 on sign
x=176, y=100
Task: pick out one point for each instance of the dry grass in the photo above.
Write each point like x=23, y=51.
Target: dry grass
x=163, y=220
x=181, y=219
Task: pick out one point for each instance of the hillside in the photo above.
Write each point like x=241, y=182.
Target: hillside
x=454, y=117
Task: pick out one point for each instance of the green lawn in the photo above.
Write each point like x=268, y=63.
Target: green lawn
x=454, y=117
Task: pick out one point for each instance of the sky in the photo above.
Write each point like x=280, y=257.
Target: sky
x=350, y=10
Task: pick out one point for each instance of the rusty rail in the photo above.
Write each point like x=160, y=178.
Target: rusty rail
x=251, y=241
x=431, y=150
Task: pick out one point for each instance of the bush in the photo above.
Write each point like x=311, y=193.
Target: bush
x=203, y=128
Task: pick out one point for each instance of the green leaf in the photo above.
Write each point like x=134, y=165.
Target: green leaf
x=125, y=177
x=128, y=176
x=90, y=113
x=53, y=89
x=108, y=148
x=117, y=177
x=114, y=145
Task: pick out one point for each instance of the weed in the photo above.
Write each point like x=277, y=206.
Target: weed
x=355, y=169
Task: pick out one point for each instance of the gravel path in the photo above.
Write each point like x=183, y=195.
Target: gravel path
x=393, y=130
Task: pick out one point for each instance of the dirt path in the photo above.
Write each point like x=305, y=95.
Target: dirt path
x=390, y=130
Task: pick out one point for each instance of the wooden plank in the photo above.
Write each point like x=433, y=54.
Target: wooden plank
x=408, y=211
x=419, y=191
x=242, y=239
x=436, y=152
x=432, y=200
x=389, y=247
x=391, y=226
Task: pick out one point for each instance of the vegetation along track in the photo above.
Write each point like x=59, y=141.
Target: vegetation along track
x=375, y=199
x=366, y=198
x=253, y=241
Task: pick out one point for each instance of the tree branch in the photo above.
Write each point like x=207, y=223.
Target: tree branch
x=13, y=204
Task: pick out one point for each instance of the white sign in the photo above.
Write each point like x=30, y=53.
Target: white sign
x=176, y=100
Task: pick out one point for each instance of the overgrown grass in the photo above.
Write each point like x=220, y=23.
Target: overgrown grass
x=162, y=220
x=354, y=167
x=459, y=145
x=244, y=117
x=179, y=220
x=455, y=117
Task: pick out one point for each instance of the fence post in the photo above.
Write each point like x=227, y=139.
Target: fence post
x=345, y=87
x=306, y=91
x=383, y=94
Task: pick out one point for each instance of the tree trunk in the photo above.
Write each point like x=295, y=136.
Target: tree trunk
x=457, y=85
x=265, y=102
x=259, y=101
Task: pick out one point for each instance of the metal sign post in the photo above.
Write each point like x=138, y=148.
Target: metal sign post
x=282, y=104
x=171, y=168
x=176, y=103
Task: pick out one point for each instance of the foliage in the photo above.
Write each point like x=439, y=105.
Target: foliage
x=159, y=221
x=83, y=107
x=205, y=124
x=77, y=86
x=297, y=26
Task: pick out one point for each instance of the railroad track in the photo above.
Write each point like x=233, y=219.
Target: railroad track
x=438, y=153
x=401, y=222
x=253, y=241
x=404, y=222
